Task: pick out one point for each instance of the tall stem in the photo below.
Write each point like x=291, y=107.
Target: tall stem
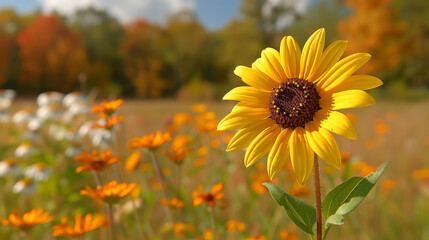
x=161, y=180
x=97, y=178
x=318, y=198
x=213, y=221
x=110, y=222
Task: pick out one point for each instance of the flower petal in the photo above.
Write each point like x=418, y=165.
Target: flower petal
x=255, y=78
x=241, y=116
x=301, y=155
x=342, y=70
x=269, y=63
x=279, y=153
x=312, y=54
x=245, y=136
x=330, y=56
x=290, y=56
x=335, y=122
x=323, y=144
x=261, y=144
x=360, y=82
x=346, y=99
x=248, y=94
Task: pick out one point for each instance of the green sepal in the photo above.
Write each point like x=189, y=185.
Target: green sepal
x=347, y=196
x=300, y=212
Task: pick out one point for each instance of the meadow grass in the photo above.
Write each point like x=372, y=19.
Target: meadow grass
x=391, y=130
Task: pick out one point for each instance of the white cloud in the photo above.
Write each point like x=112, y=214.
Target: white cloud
x=125, y=10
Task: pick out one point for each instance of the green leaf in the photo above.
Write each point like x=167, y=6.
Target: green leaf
x=300, y=212
x=347, y=196
x=336, y=219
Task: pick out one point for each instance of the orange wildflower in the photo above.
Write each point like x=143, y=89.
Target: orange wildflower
x=152, y=141
x=234, y=226
x=256, y=238
x=286, y=235
x=215, y=194
x=421, y=173
x=173, y=203
x=95, y=161
x=215, y=143
x=345, y=158
x=28, y=220
x=208, y=234
x=177, y=156
x=202, y=151
x=177, y=150
x=107, y=108
x=182, y=229
x=199, y=162
x=199, y=108
x=111, y=192
x=181, y=118
x=352, y=117
x=387, y=185
x=206, y=122
x=381, y=128
x=299, y=190
x=109, y=123
x=132, y=161
x=81, y=225
x=364, y=168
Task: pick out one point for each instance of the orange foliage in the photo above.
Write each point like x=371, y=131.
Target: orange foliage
x=140, y=64
x=374, y=30
x=52, y=56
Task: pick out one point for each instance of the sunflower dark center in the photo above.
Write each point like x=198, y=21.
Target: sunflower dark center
x=294, y=102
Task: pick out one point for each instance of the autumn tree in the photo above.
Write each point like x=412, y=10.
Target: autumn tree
x=142, y=64
x=372, y=27
x=102, y=34
x=52, y=55
x=11, y=24
x=186, y=47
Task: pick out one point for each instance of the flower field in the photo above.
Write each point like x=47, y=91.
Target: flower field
x=159, y=170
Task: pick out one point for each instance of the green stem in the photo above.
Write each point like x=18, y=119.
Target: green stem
x=213, y=221
x=318, y=198
x=179, y=186
x=110, y=221
x=138, y=220
x=161, y=180
x=97, y=178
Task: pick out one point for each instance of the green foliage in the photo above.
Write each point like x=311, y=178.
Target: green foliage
x=345, y=197
x=300, y=212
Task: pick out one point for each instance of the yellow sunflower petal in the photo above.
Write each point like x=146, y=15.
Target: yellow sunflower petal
x=261, y=144
x=301, y=155
x=290, y=56
x=330, y=56
x=323, y=144
x=336, y=122
x=242, y=116
x=342, y=70
x=346, y=99
x=255, y=78
x=360, y=82
x=312, y=55
x=279, y=153
x=248, y=94
x=245, y=136
x=272, y=59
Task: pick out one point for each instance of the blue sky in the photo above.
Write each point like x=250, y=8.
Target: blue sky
x=212, y=13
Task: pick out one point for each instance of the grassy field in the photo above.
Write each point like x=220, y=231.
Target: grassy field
x=395, y=131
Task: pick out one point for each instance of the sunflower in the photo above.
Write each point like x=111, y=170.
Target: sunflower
x=290, y=106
